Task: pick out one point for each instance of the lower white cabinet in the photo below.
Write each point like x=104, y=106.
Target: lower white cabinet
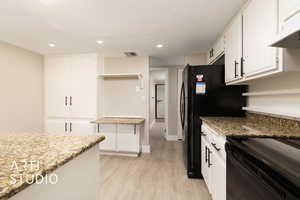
x=124, y=138
x=213, y=162
x=58, y=126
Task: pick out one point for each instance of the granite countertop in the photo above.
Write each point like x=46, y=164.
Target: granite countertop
x=47, y=151
x=118, y=120
x=254, y=126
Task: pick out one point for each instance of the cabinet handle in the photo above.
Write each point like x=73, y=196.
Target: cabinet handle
x=212, y=52
x=66, y=127
x=66, y=100
x=98, y=128
x=71, y=100
x=203, y=134
x=206, y=154
x=242, y=66
x=71, y=129
x=215, y=146
x=208, y=160
x=235, y=69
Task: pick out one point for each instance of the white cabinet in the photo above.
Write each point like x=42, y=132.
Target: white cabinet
x=71, y=85
x=260, y=25
x=57, y=86
x=213, y=162
x=217, y=50
x=124, y=138
x=289, y=15
x=59, y=126
x=128, y=138
x=233, y=50
x=70, y=93
x=218, y=176
x=110, y=133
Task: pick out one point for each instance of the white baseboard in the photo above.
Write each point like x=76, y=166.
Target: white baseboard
x=146, y=149
x=171, y=137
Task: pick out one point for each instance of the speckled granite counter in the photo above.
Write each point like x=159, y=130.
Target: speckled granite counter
x=254, y=126
x=118, y=120
x=50, y=151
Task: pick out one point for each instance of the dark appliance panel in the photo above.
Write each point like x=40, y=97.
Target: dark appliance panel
x=264, y=169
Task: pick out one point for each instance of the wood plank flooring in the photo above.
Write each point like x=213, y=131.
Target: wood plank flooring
x=156, y=176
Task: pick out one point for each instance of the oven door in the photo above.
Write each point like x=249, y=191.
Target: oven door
x=249, y=179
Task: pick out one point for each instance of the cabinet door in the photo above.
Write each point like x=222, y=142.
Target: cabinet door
x=128, y=138
x=57, y=86
x=233, y=50
x=260, y=25
x=218, y=177
x=110, y=133
x=289, y=15
x=83, y=85
x=82, y=127
x=204, y=159
x=57, y=126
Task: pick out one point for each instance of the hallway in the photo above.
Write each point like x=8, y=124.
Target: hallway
x=156, y=176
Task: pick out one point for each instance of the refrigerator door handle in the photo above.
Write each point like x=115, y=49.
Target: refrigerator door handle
x=182, y=105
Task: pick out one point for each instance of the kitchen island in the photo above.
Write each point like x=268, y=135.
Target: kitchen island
x=49, y=166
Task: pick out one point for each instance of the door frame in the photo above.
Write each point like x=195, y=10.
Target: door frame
x=156, y=100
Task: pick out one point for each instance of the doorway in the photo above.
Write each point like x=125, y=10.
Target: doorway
x=160, y=102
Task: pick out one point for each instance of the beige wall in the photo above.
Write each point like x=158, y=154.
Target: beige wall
x=172, y=101
x=196, y=59
x=21, y=86
x=277, y=103
x=124, y=97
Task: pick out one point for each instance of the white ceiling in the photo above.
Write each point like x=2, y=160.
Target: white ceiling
x=182, y=26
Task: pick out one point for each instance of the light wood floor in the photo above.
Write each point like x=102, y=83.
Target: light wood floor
x=156, y=176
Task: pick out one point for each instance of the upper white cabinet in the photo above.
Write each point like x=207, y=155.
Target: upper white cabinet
x=57, y=86
x=71, y=86
x=233, y=50
x=70, y=93
x=289, y=20
x=248, y=54
x=260, y=25
x=217, y=50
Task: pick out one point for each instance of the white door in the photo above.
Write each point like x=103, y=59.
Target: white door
x=127, y=138
x=83, y=85
x=57, y=86
x=110, y=133
x=260, y=26
x=160, y=101
x=57, y=126
x=82, y=127
x=218, y=177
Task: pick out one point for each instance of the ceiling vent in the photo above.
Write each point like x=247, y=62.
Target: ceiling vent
x=130, y=54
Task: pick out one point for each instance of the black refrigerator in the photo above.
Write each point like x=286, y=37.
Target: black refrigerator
x=204, y=93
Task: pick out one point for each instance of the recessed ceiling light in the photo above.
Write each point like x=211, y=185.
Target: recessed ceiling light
x=159, y=46
x=51, y=45
x=100, y=42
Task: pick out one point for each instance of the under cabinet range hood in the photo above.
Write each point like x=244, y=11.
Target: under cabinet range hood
x=288, y=40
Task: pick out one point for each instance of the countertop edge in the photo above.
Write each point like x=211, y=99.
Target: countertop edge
x=52, y=169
